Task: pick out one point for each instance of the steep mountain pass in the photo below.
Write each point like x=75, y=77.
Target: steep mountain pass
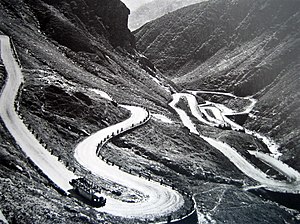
x=71, y=90
x=160, y=200
x=75, y=79
x=244, y=47
x=292, y=177
x=231, y=153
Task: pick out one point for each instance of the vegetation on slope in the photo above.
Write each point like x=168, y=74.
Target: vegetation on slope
x=245, y=47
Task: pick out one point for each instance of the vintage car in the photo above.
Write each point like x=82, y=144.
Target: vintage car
x=88, y=191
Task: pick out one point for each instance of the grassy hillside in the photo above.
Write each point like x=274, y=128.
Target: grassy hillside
x=72, y=52
x=244, y=47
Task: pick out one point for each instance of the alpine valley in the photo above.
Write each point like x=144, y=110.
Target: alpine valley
x=192, y=118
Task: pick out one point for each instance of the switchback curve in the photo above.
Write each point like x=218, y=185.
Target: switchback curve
x=231, y=153
x=159, y=201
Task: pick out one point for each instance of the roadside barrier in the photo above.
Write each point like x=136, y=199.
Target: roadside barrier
x=98, y=153
x=189, y=215
x=98, y=148
x=15, y=53
x=120, y=131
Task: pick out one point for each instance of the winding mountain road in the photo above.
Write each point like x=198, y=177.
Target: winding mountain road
x=240, y=162
x=225, y=111
x=159, y=200
x=48, y=163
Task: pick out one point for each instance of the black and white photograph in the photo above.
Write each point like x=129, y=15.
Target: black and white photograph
x=149, y=111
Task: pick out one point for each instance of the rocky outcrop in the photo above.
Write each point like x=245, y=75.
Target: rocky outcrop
x=76, y=73
x=75, y=23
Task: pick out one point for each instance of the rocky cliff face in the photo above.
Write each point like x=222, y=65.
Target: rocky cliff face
x=74, y=53
x=71, y=53
x=245, y=47
x=83, y=20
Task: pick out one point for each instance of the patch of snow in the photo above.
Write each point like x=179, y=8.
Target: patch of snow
x=102, y=94
x=85, y=131
x=162, y=118
x=19, y=168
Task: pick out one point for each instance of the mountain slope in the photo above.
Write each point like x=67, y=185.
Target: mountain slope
x=77, y=72
x=245, y=47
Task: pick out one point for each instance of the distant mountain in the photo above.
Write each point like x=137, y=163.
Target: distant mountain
x=245, y=47
x=155, y=9
x=134, y=4
x=80, y=66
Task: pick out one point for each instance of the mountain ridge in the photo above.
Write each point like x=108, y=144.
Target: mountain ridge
x=75, y=79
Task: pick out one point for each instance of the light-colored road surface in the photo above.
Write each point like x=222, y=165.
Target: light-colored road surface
x=183, y=116
x=186, y=120
x=240, y=162
x=2, y=218
x=246, y=110
x=225, y=111
x=192, y=102
x=277, y=165
x=159, y=200
x=49, y=164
